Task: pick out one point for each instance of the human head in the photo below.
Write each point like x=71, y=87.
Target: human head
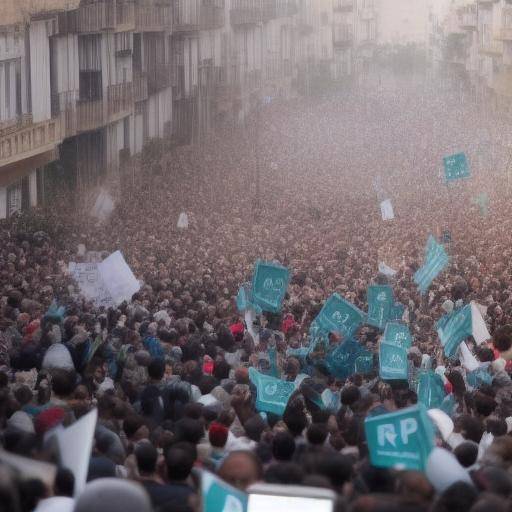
x=241, y=469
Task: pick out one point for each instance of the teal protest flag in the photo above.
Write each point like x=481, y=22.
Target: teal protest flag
x=454, y=328
x=482, y=201
x=397, y=334
x=401, y=439
x=380, y=302
x=339, y=315
x=341, y=360
x=436, y=260
x=397, y=312
x=478, y=377
x=456, y=167
x=364, y=363
x=272, y=394
x=269, y=285
x=431, y=391
x=218, y=496
x=393, y=364
x=331, y=400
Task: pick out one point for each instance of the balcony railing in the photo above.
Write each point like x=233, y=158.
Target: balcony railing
x=96, y=17
x=151, y=17
x=491, y=47
x=198, y=15
x=468, y=18
x=343, y=5
x=125, y=15
x=119, y=98
x=90, y=115
x=27, y=141
x=249, y=12
x=140, y=87
x=505, y=33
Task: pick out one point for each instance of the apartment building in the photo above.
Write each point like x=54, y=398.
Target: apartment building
x=85, y=84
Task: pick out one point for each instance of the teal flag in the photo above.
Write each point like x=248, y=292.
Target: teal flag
x=331, y=400
x=478, y=377
x=218, y=496
x=431, y=391
x=397, y=312
x=397, y=334
x=364, y=363
x=380, y=303
x=339, y=315
x=454, y=328
x=482, y=200
x=341, y=360
x=269, y=285
x=436, y=260
x=456, y=167
x=393, y=363
x=401, y=439
x=272, y=394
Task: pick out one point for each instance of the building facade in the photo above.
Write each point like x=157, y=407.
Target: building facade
x=86, y=84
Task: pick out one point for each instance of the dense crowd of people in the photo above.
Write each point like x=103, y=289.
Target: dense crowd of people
x=169, y=371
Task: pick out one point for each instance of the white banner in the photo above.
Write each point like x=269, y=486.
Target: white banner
x=386, y=210
x=118, y=278
x=91, y=284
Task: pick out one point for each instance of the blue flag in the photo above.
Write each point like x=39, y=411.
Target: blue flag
x=401, y=439
x=380, y=303
x=436, y=260
x=364, y=363
x=431, y=391
x=269, y=285
x=272, y=394
x=397, y=334
x=454, y=328
x=397, y=312
x=339, y=315
x=456, y=167
x=478, y=377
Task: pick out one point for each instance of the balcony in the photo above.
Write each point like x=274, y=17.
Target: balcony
x=153, y=18
x=343, y=36
x=106, y=15
x=468, y=19
x=158, y=78
x=491, y=48
x=367, y=13
x=140, y=87
x=26, y=139
x=343, y=5
x=251, y=12
x=119, y=100
x=199, y=15
x=505, y=32
x=90, y=115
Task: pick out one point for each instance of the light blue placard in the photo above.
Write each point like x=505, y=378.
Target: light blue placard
x=269, y=285
x=397, y=334
x=456, y=167
x=380, y=302
x=393, y=362
x=401, y=440
x=341, y=360
x=436, y=260
x=431, y=391
x=339, y=315
x=272, y=394
x=454, y=328
x=218, y=496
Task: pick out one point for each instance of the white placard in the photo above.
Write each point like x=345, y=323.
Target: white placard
x=103, y=206
x=387, y=271
x=386, y=210
x=118, y=278
x=91, y=283
x=183, y=221
x=75, y=445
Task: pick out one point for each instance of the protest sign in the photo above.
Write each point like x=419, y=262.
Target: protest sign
x=364, y=363
x=392, y=362
x=431, y=391
x=29, y=469
x=90, y=283
x=386, y=210
x=339, y=315
x=386, y=270
x=272, y=393
x=103, y=206
x=380, y=302
x=75, y=445
x=182, y=221
x=397, y=334
x=401, y=439
x=478, y=377
x=436, y=260
x=118, y=278
x=341, y=361
x=396, y=312
x=456, y=167
x=269, y=285
x=218, y=496
x=482, y=201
